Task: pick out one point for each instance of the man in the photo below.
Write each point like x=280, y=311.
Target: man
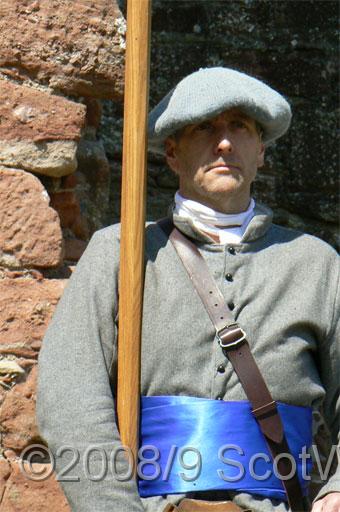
x=212, y=128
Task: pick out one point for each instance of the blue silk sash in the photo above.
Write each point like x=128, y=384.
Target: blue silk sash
x=196, y=444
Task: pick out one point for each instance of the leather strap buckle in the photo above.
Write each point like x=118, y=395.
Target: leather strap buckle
x=230, y=336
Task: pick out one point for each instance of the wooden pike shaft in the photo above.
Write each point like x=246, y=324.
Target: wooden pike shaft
x=133, y=219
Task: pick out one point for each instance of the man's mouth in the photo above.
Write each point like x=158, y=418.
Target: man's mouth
x=223, y=167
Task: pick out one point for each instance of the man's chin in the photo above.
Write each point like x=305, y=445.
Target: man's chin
x=229, y=186
x=221, y=193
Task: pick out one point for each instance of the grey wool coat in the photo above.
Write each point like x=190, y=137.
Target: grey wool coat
x=285, y=293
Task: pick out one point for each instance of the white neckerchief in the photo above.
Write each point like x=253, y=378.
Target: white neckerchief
x=228, y=227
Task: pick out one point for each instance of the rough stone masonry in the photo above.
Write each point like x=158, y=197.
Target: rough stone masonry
x=57, y=60
x=59, y=140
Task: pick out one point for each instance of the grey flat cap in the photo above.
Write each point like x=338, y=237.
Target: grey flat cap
x=210, y=91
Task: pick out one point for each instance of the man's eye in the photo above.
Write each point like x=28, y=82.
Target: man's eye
x=203, y=127
x=238, y=124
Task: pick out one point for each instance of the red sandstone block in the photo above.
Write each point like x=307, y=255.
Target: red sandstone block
x=33, y=115
x=17, y=413
x=63, y=199
x=26, y=307
x=74, y=249
x=77, y=48
x=93, y=112
x=69, y=181
x=5, y=471
x=22, y=494
x=30, y=234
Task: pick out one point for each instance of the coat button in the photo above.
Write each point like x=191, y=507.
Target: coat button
x=229, y=277
x=231, y=305
x=221, y=368
x=231, y=250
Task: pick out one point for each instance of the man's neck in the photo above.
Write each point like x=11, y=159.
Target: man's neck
x=230, y=205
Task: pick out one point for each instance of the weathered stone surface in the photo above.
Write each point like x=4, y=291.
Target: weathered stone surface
x=78, y=49
x=10, y=372
x=27, y=387
x=26, y=307
x=93, y=112
x=38, y=131
x=67, y=205
x=68, y=182
x=65, y=202
x=30, y=231
x=25, y=273
x=74, y=249
x=5, y=471
x=34, y=115
x=2, y=394
x=17, y=414
x=312, y=160
x=18, y=423
x=23, y=494
x=47, y=158
x=93, y=187
x=82, y=199
x=111, y=129
x=10, y=367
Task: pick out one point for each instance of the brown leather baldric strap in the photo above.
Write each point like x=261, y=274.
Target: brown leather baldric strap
x=188, y=505
x=232, y=340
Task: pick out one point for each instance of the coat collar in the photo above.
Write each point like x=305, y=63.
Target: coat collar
x=256, y=228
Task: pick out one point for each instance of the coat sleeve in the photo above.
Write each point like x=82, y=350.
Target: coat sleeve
x=75, y=405
x=329, y=359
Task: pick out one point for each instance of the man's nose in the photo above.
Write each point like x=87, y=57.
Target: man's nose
x=224, y=144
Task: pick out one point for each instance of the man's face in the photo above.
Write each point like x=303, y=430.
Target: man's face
x=217, y=160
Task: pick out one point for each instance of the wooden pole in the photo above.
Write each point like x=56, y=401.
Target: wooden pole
x=133, y=219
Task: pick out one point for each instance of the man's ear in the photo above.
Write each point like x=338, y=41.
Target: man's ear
x=260, y=156
x=170, y=154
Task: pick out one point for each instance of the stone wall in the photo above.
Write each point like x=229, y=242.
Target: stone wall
x=58, y=59
x=290, y=44
x=61, y=82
